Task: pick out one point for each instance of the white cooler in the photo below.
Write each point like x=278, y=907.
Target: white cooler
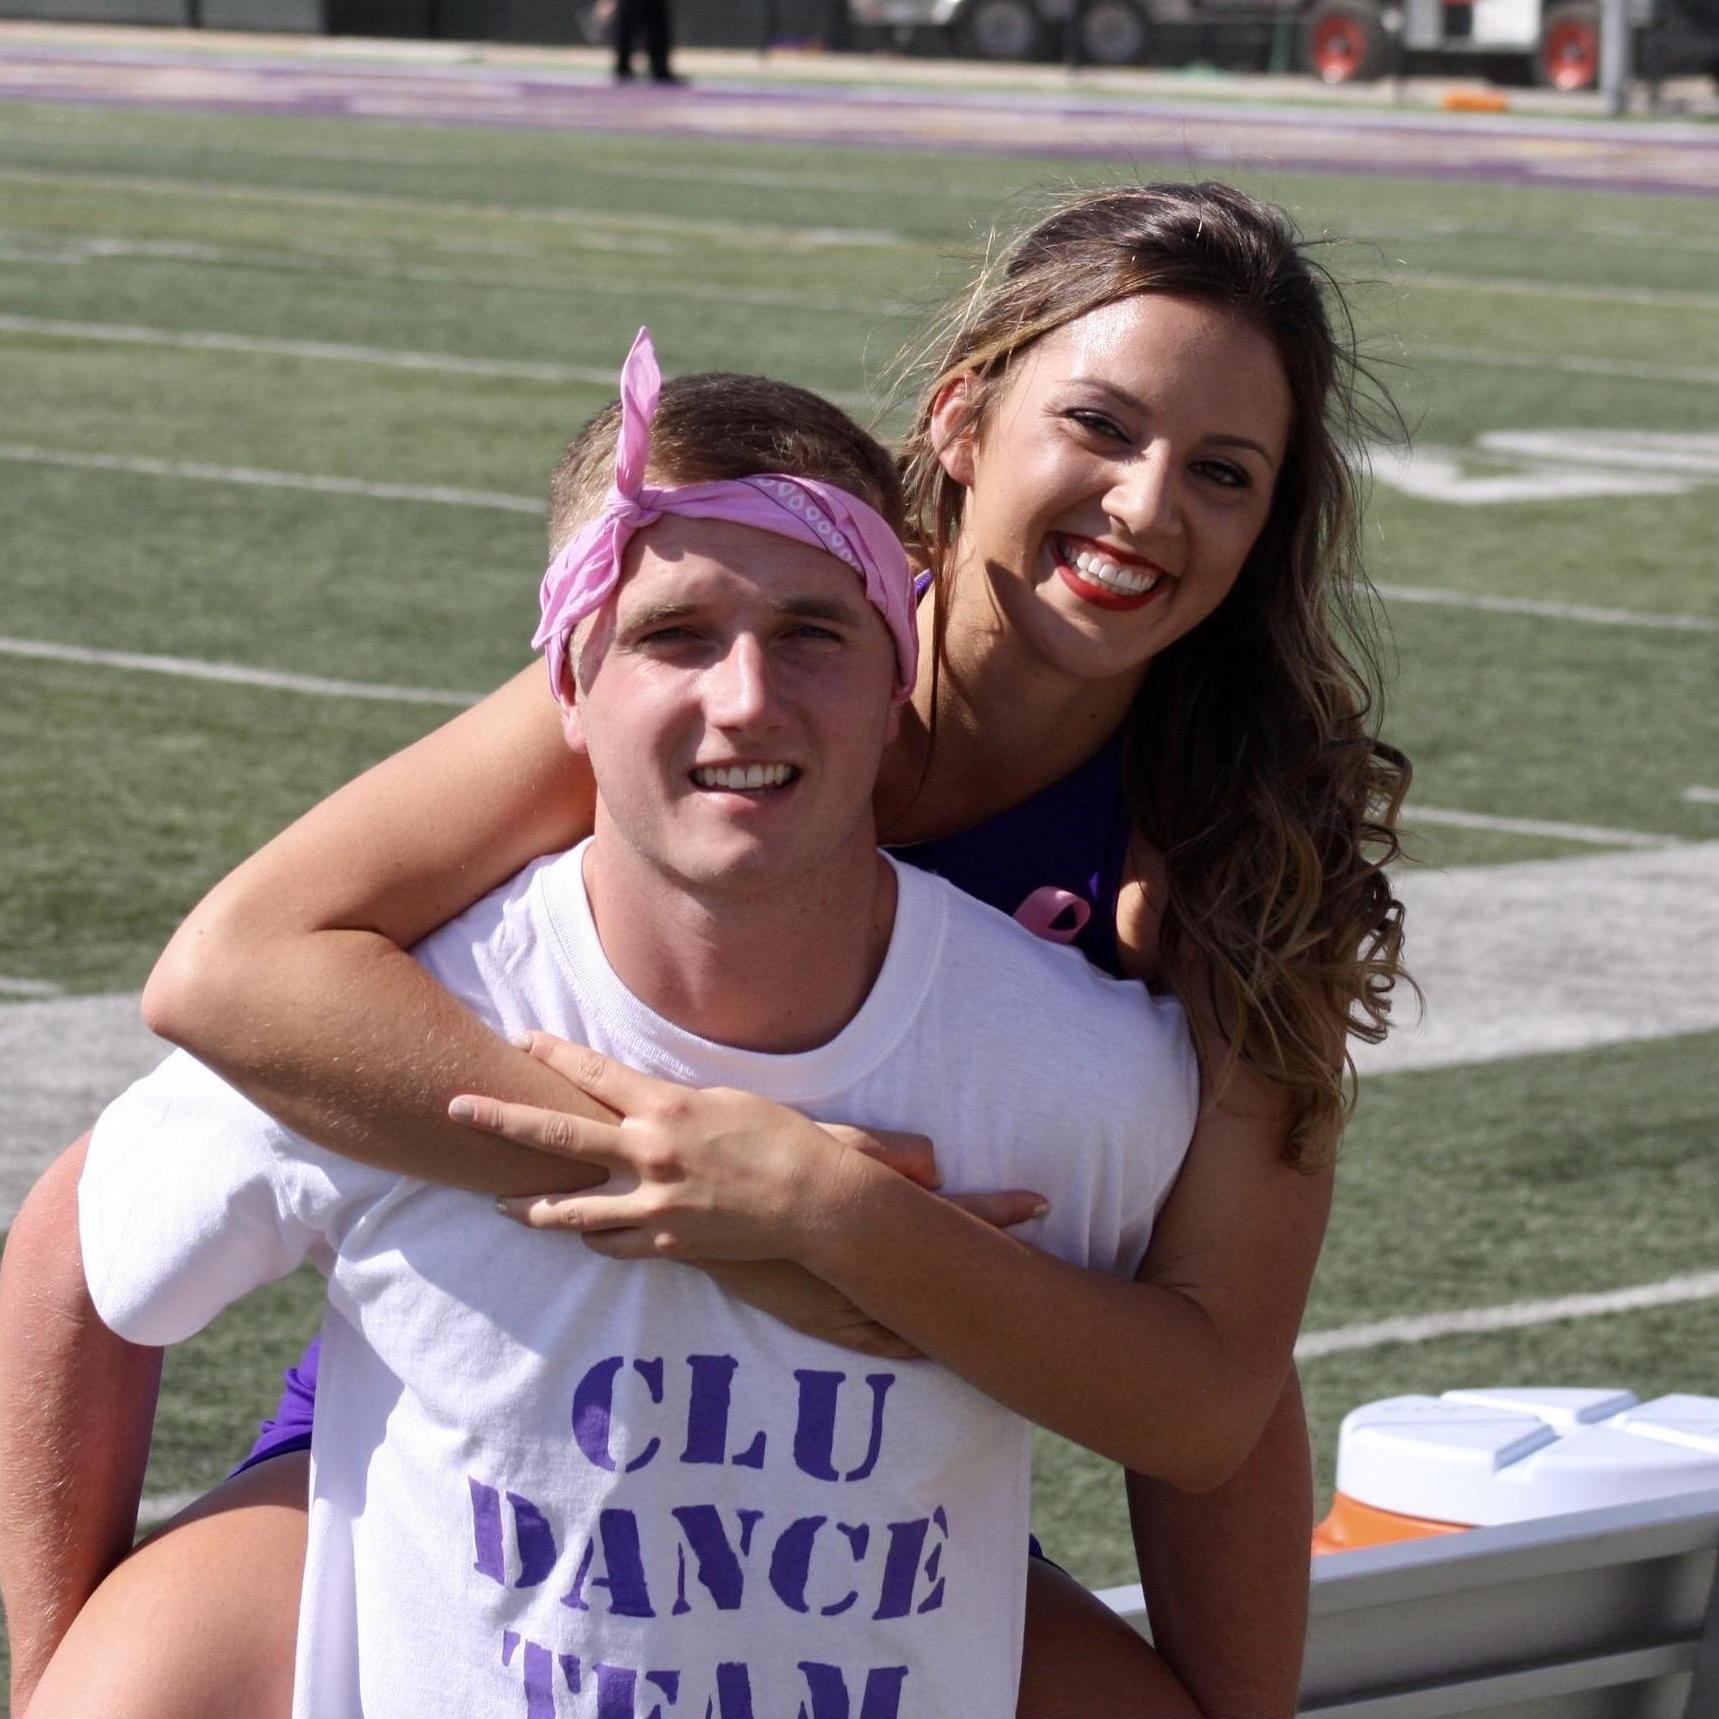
x=1413, y=1466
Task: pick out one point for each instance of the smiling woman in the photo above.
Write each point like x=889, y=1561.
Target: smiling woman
x=1141, y=444
x=1206, y=377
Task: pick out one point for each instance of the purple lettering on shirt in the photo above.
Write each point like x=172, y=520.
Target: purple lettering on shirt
x=791, y=1562
x=733, y=1692
x=539, y=1666
x=827, y=1688
x=815, y=1423
x=651, y=1372
x=858, y=1538
x=934, y=1564
x=719, y=1567
x=615, y=1687
x=629, y=1596
x=533, y=1537
x=902, y=1565
x=669, y=1683
x=594, y=1409
x=707, y=1414
x=486, y=1531
x=536, y=1541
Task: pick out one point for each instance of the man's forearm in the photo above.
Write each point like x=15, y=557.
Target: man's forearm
x=77, y=1405
x=1226, y=1573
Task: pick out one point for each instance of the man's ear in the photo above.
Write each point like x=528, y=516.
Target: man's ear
x=953, y=433
x=572, y=725
x=572, y=729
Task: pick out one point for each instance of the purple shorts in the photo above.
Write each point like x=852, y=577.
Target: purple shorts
x=288, y=1428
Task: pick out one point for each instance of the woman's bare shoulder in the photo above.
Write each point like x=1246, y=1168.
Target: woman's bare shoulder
x=1140, y=913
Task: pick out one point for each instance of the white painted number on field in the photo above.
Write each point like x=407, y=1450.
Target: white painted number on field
x=1553, y=465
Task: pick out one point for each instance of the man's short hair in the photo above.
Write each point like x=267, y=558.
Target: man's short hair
x=719, y=425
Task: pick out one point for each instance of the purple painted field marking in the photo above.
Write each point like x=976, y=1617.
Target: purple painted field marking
x=1575, y=154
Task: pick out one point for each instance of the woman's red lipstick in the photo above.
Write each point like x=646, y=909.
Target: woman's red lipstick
x=1090, y=589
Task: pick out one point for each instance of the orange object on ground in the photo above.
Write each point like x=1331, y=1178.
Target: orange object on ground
x=1352, y=1524
x=1474, y=101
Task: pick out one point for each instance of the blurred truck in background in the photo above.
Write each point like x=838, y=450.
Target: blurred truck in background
x=1554, y=42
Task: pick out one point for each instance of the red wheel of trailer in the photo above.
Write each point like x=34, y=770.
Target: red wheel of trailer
x=1337, y=50
x=1343, y=41
x=1569, y=57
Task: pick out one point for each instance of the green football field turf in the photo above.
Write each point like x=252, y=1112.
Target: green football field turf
x=132, y=245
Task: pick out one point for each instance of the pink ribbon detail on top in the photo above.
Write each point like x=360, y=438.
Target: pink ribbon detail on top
x=1056, y=915
x=587, y=569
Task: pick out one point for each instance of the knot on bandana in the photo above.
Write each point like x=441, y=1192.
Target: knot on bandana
x=825, y=516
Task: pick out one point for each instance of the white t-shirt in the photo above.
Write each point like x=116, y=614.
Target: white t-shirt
x=550, y=1484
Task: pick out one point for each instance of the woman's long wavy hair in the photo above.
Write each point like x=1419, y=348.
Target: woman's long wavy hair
x=1253, y=766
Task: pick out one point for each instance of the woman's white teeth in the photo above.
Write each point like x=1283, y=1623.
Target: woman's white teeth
x=741, y=776
x=1112, y=575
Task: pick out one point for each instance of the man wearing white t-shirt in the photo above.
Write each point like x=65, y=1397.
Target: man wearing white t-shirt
x=548, y=1482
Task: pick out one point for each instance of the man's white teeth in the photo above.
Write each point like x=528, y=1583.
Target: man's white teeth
x=742, y=776
x=1112, y=575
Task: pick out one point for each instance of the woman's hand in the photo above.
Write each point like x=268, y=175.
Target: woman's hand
x=704, y=1174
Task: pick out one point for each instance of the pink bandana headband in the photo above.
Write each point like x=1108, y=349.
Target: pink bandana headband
x=583, y=574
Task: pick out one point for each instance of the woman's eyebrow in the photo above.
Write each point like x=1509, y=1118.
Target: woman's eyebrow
x=1223, y=439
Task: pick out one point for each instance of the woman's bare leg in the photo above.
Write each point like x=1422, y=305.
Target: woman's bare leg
x=201, y=1621
x=1081, y=1661
x=76, y=1403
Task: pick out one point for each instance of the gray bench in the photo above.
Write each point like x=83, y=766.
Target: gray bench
x=1602, y=1614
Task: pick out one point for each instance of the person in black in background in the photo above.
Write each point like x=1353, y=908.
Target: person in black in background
x=650, y=19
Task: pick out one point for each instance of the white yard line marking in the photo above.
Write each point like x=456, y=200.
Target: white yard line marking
x=61, y=1060
x=1550, y=465
x=27, y=988
x=70, y=250
x=321, y=483
x=1555, y=955
x=1516, y=288
x=315, y=482
x=1512, y=1316
x=201, y=340
x=1590, y=833
x=1605, y=232
x=590, y=221
x=1670, y=453
x=436, y=363
x=762, y=178
x=1568, y=365
x=188, y=668
x=1433, y=473
x=1701, y=796
x=1546, y=610
x=768, y=179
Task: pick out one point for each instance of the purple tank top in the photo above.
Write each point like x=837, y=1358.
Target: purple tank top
x=1055, y=862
